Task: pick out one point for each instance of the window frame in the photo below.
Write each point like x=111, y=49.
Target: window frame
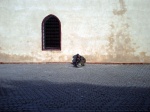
x=43, y=33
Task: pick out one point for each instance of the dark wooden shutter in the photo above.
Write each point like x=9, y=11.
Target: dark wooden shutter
x=52, y=33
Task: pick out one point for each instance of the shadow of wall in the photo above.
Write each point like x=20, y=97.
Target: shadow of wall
x=48, y=96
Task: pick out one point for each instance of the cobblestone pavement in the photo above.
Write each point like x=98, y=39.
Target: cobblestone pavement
x=64, y=88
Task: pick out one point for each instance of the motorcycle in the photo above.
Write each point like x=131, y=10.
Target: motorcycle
x=78, y=61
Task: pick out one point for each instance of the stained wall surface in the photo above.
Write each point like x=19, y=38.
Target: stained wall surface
x=112, y=31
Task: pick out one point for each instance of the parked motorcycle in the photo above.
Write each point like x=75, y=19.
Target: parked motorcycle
x=78, y=61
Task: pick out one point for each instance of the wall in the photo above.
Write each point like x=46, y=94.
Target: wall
x=112, y=31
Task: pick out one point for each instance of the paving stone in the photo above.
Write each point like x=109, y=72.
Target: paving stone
x=62, y=87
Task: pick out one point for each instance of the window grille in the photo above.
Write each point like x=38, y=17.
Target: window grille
x=51, y=33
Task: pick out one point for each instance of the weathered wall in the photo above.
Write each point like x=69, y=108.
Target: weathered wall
x=115, y=31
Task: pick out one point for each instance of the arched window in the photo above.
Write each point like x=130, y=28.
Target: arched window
x=51, y=33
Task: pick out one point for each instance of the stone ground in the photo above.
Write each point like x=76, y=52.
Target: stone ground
x=64, y=88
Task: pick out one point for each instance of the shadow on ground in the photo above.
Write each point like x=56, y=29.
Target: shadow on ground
x=45, y=96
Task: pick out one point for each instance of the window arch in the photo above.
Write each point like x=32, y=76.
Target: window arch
x=51, y=33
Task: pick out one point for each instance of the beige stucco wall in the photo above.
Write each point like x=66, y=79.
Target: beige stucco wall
x=113, y=31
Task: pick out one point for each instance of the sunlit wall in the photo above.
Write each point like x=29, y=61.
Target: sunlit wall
x=112, y=31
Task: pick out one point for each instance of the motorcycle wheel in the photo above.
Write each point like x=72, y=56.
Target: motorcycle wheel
x=78, y=65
